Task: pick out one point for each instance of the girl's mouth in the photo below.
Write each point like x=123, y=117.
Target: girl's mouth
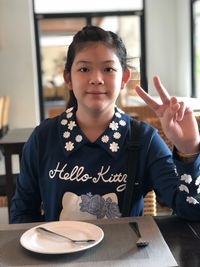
x=96, y=93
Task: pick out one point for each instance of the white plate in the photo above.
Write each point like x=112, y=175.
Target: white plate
x=45, y=243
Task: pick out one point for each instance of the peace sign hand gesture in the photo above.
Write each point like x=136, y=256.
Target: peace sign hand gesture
x=177, y=120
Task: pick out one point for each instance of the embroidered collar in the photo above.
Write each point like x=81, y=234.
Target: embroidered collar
x=111, y=140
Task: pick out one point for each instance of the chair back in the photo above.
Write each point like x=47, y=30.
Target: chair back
x=142, y=112
x=55, y=111
x=1, y=111
x=155, y=122
x=4, y=114
x=6, y=108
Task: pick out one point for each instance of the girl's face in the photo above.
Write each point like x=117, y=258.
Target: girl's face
x=96, y=78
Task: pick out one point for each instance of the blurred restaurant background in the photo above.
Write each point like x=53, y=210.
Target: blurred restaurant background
x=34, y=36
x=162, y=38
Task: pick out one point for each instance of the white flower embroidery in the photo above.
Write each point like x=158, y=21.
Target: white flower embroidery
x=69, y=109
x=66, y=134
x=120, y=110
x=122, y=122
x=69, y=146
x=71, y=125
x=114, y=147
x=117, y=135
x=114, y=125
x=192, y=200
x=184, y=188
x=175, y=171
x=197, y=182
x=118, y=115
x=105, y=139
x=69, y=115
x=79, y=138
x=198, y=190
x=64, y=122
x=187, y=178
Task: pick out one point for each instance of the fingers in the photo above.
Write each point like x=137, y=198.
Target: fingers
x=147, y=98
x=177, y=109
x=164, y=95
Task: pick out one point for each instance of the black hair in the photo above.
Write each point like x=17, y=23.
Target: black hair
x=94, y=34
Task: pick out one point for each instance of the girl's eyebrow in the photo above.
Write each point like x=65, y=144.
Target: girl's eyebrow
x=90, y=62
x=82, y=62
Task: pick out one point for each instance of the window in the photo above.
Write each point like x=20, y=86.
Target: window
x=195, y=15
x=54, y=32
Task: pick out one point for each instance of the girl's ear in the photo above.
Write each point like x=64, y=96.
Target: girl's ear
x=125, y=77
x=67, y=79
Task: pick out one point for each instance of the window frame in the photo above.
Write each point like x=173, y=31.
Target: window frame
x=193, y=49
x=88, y=16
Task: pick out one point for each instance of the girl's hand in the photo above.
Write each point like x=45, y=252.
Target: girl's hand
x=177, y=120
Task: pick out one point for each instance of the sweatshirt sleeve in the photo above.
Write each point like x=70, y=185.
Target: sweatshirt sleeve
x=26, y=203
x=189, y=189
x=175, y=183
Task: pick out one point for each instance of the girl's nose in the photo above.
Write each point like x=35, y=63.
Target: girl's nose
x=96, y=79
x=96, y=82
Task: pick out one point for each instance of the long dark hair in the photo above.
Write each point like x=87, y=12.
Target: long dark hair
x=94, y=34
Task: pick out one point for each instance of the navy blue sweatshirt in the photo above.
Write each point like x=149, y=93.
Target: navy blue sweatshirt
x=65, y=176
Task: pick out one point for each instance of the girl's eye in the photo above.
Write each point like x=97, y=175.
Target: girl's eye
x=109, y=69
x=83, y=69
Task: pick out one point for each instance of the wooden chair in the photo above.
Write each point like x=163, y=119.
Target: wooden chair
x=4, y=114
x=4, y=124
x=155, y=122
x=1, y=113
x=53, y=112
x=3, y=201
x=150, y=205
x=143, y=112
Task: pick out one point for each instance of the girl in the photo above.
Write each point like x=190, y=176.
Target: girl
x=75, y=166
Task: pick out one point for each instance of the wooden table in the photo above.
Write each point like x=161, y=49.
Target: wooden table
x=12, y=144
x=182, y=237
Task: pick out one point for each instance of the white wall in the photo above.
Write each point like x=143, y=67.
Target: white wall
x=167, y=43
x=17, y=62
x=183, y=48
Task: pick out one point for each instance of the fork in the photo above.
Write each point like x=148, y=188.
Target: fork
x=140, y=242
x=45, y=230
